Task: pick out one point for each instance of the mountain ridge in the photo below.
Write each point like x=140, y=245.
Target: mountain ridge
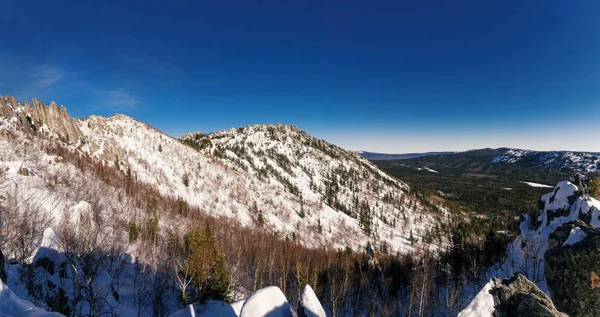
x=283, y=193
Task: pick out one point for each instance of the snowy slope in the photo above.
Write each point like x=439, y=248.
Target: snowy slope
x=273, y=176
x=12, y=306
x=323, y=185
x=300, y=187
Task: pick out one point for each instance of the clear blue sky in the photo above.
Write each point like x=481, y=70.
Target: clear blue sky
x=393, y=76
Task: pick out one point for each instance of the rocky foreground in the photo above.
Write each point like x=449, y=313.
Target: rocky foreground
x=565, y=241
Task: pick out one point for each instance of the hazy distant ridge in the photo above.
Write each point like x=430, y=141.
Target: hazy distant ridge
x=385, y=156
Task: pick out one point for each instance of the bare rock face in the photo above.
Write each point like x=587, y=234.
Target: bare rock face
x=518, y=296
x=32, y=118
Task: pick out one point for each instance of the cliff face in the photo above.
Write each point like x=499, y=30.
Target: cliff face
x=34, y=117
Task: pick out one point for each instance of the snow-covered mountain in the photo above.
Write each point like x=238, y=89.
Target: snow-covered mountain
x=552, y=160
x=324, y=188
x=273, y=176
x=115, y=192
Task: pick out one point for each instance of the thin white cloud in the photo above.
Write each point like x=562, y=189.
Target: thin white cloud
x=119, y=99
x=25, y=79
x=45, y=76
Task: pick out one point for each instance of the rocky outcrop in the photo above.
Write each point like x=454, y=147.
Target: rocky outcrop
x=33, y=117
x=572, y=269
x=518, y=296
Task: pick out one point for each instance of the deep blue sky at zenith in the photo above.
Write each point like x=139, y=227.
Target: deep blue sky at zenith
x=387, y=76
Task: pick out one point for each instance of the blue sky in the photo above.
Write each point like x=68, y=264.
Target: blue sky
x=386, y=76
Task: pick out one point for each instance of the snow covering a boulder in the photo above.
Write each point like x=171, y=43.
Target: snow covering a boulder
x=482, y=305
x=516, y=296
x=51, y=240
x=575, y=236
x=12, y=306
x=212, y=308
x=309, y=305
x=237, y=306
x=266, y=302
x=564, y=204
x=269, y=301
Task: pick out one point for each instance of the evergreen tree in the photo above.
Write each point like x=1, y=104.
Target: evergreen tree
x=186, y=180
x=205, y=261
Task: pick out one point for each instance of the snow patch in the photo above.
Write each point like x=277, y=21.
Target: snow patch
x=212, y=308
x=575, y=236
x=532, y=184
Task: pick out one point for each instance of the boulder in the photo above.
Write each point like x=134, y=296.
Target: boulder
x=518, y=296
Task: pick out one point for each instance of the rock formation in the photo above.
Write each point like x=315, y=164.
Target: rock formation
x=55, y=118
x=572, y=269
x=518, y=296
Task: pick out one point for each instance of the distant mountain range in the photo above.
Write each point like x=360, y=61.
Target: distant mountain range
x=373, y=156
x=556, y=161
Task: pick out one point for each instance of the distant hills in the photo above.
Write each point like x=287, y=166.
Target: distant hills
x=373, y=156
x=556, y=161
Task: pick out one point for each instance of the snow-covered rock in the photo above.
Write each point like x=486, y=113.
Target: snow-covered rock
x=552, y=242
x=212, y=308
x=309, y=305
x=237, y=306
x=516, y=296
x=575, y=236
x=268, y=301
x=482, y=305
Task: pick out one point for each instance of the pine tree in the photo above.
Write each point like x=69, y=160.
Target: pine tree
x=186, y=180
x=205, y=261
x=594, y=187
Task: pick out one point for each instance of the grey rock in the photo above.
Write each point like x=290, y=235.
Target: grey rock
x=32, y=118
x=518, y=296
